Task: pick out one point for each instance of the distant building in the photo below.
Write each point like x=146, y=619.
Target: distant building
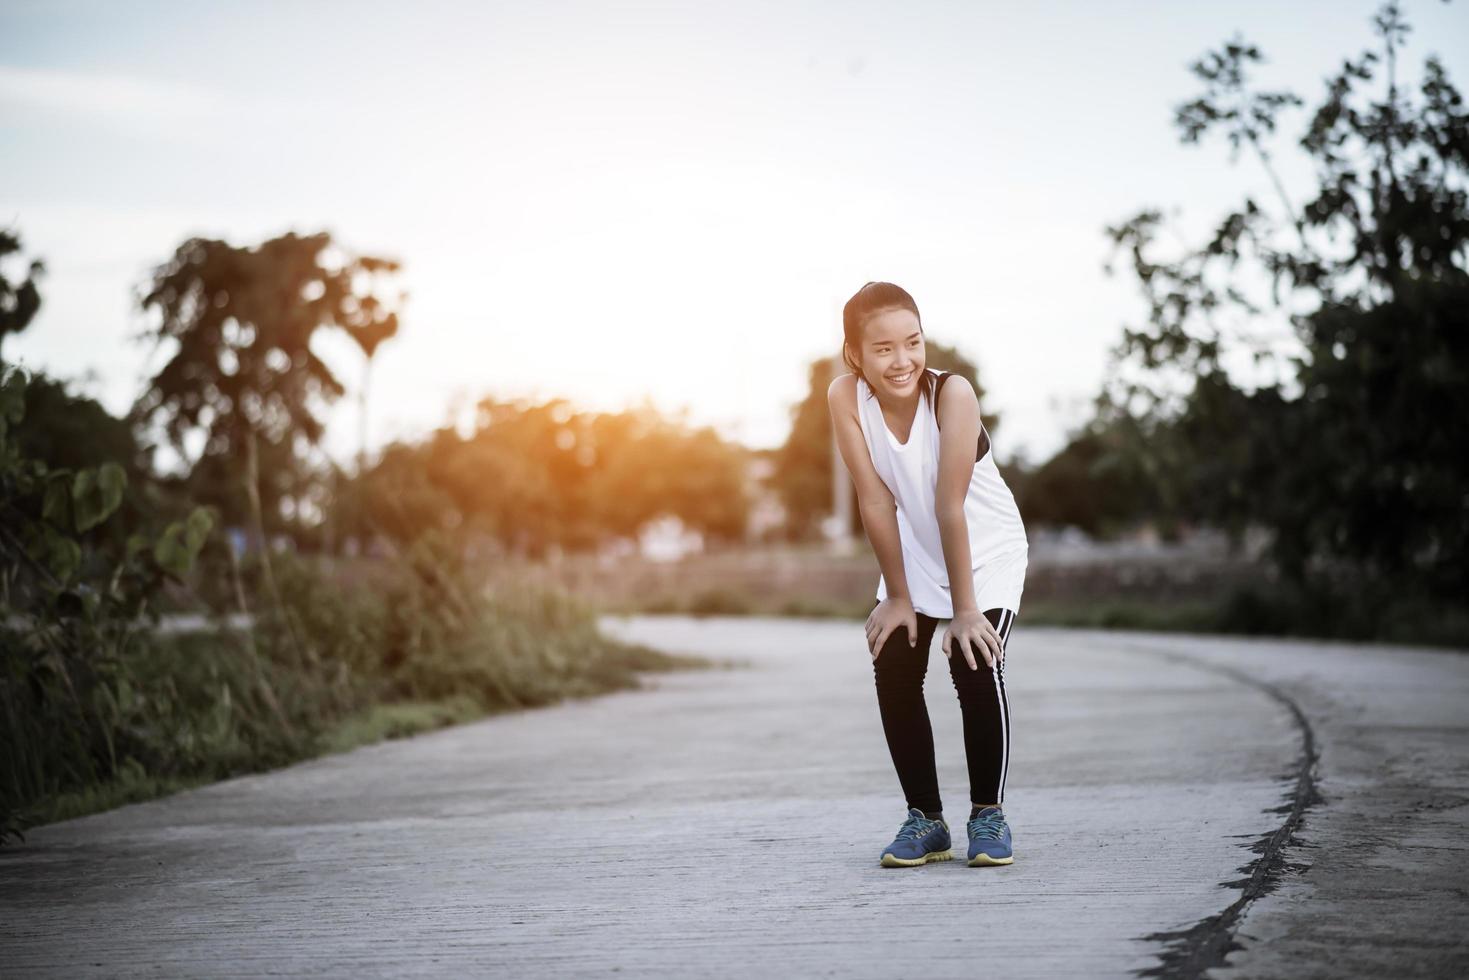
x=668, y=539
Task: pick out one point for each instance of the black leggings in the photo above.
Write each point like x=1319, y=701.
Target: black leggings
x=899, y=671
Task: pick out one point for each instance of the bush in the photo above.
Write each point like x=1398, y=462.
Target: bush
x=415, y=645
x=76, y=598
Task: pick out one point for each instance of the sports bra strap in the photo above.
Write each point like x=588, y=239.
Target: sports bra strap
x=983, y=446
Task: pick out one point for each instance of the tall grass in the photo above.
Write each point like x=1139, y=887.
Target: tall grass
x=415, y=644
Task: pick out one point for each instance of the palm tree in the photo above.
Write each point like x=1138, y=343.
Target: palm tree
x=243, y=380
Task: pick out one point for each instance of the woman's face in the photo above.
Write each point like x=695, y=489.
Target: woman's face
x=892, y=355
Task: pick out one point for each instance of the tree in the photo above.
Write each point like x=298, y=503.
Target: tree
x=1087, y=484
x=534, y=476
x=18, y=303
x=1353, y=454
x=803, y=464
x=243, y=376
x=374, y=325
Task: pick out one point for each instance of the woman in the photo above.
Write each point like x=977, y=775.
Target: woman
x=950, y=545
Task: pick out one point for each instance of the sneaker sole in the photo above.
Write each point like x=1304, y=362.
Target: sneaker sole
x=893, y=861
x=984, y=860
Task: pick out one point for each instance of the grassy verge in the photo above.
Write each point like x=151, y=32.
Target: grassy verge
x=733, y=602
x=1249, y=612
x=331, y=666
x=1129, y=614
x=378, y=722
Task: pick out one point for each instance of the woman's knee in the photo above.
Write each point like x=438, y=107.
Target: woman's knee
x=973, y=683
x=900, y=661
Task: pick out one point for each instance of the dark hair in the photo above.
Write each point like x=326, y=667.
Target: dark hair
x=875, y=297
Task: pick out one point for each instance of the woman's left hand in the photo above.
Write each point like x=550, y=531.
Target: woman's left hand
x=973, y=626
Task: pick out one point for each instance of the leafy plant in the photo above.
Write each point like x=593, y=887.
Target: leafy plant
x=70, y=609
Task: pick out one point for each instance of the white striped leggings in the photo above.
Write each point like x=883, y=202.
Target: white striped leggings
x=899, y=671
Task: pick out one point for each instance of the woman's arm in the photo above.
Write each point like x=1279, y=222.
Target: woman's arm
x=874, y=500
x=958, y=410
x=958, y=435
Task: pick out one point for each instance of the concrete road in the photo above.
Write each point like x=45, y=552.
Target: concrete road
x=1180, y=807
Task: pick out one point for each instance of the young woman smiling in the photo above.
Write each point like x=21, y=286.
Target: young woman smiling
x=950, y=545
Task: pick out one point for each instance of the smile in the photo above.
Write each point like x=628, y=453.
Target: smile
x=901, y=378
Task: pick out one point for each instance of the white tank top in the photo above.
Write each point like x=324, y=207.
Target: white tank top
x=998, y=548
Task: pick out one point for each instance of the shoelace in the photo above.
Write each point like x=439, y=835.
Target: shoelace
x=988, y=826
x=915, y=827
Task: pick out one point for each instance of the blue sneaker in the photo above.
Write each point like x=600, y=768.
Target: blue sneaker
x=919, y=841
x=989, y=838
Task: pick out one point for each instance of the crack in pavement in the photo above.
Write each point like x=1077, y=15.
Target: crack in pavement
x=1190, y=952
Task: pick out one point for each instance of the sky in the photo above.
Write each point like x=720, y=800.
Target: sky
x=654, y=203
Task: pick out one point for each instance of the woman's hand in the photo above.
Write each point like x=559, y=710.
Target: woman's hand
x=973, y=626
x=888, y=615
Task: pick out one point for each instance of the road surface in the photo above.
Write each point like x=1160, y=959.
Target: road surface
x=1180, y=806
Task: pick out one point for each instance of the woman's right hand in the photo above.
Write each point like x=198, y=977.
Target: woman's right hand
x=888, y=615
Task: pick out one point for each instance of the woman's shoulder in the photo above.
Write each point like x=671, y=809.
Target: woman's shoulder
x=954, y=390
x=842, y=392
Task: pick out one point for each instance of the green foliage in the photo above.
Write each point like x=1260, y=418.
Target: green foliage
x=180, y=543
x=96, y=493
x=71, y=609
x=1353, y=454
x=98, y=705
x=97, y=708
x=1269, y=609
x=1092, y=483
x=420, y=628
x=392, y=647
x=70, y=432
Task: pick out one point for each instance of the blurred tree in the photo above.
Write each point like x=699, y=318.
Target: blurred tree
x=1089, y=485
x=649, y=467
x=18, y=303
x=374, y=324
x=1354, y=453
x=64, y=431
x=69, y=431
x=802, y=474
x=393, y=499
x=502, y=477
x=536, y=475
x=243, y=376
